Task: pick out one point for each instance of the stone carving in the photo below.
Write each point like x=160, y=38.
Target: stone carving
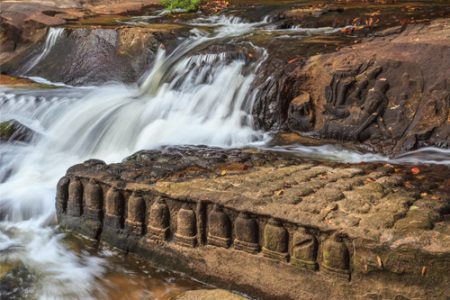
x=301, y=114
x=249, y=229
x=304, y=250
x=74, y=203
x=276, y=239
x=94, y=200
x=246, y=232
x=219, y=228
x=159, y=220
x=135, y=214
x=62, y=194
x=354, y=100
x=114, y=208
x=336, y=257
x=186, y=234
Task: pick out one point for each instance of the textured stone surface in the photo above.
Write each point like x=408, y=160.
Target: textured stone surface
x=92, y=55
x=271, y=225
x=13, y=131
x=209, y=295
x=390, y=93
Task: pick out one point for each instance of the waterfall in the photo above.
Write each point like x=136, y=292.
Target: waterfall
x=50, y=41
x=189, y=97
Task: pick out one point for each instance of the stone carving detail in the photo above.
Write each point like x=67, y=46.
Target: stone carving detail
x=159, y=220
x=354, y=100
x=135, y=214
x=304, y=250
x=186, y=234
x=114, y=208
x=246, y=232
x=276, y=239
x=336, y=257
x=75, y=201
x=94, y=200
x=62, y=194
x=300, y=249
x=301, y=113
x=219, y=228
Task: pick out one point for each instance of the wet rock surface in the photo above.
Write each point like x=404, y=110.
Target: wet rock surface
x=16, y=281
x=271, y=225
x=14, y=131
x=97, y=55
x=389, y=93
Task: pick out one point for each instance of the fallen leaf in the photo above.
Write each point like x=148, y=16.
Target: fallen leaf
x=408, y=185
x=279, y=193
x=380, y=262
x=415, y=170
x=424, y=270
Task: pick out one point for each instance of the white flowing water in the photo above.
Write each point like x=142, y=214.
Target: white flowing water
x=185, y=99
x=52, y=36
x=426, y=155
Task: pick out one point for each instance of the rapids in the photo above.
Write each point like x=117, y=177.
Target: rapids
x=186, y=98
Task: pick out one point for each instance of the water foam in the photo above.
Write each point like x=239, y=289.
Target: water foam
x=187, y=98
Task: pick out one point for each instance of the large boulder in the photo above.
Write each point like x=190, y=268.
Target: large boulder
x=93, y=55
x=268, y=224
x=391, y=93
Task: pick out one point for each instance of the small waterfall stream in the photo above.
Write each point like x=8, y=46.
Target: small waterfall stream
x=186, y=98
x=52, y=37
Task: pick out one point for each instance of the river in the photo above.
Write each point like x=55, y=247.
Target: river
x=188, y=97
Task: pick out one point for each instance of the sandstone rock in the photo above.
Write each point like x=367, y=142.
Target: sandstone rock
x=390, y=93
x=300, y=114
x=278, y=228
x=21, y=82
x=97, y=55
x=209, y=295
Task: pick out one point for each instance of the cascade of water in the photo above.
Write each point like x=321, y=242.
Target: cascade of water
x=187, y=98
x=52, y=37
x=226, y=27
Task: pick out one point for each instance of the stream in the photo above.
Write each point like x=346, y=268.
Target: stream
x=186, y=98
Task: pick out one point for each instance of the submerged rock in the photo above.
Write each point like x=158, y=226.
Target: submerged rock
x=268, y=224
x=16, y=281
x=11, y=131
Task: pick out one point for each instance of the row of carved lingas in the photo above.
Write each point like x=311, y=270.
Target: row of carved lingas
x=275, y=236
x=275, y=240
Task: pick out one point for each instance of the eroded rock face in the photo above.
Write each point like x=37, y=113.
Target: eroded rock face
x=270, y=225
x=391, y=94
x=96, y=55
